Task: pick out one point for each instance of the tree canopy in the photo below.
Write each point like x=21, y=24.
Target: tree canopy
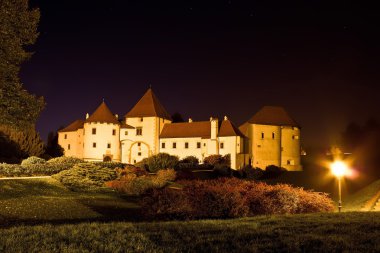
x=18, y=29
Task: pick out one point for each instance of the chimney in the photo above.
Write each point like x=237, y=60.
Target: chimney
x=87, y=115
x=214, y=128
x=190, y=120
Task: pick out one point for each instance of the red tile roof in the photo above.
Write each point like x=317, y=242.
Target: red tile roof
x=77, y=124
x=229, y=129
x=148, y=106
x=200, y=129
x=124, y=125
x=273, y=115
x=103, y=115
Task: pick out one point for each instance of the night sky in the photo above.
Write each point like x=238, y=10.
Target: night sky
x=319, y=61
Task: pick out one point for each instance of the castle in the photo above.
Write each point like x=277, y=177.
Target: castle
x=270, y=137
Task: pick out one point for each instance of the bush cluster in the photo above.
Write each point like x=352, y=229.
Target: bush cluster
x=230, y=198
x=218, y=160
x=158, y=162
x=136, y=181
x=34, y=166
x=32, y=160
x=86, y=177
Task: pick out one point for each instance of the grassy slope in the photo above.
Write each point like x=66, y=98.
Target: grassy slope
x=348, y=232
x=42, y=200
x=358, y=200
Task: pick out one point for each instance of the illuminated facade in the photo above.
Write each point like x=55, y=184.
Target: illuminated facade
x=270, y=137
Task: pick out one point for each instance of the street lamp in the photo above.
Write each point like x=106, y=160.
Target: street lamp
x=339, y=169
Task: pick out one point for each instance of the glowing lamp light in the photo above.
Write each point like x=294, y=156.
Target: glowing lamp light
x=339, y=168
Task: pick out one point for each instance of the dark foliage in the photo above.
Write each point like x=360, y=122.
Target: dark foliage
x=229, y=198
x=53, y=149
x=177, y=117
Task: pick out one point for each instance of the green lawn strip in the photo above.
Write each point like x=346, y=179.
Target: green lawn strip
x=345, y=232
x=48, y=200
x=359, y=199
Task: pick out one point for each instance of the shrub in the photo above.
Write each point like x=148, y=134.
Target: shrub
x=218, y=160
x=32, y=160
x=11, y=170
x=251, y=173
x=86, y=177
x=110, y=165
x=190, y=160
x=221, y=170
x=231, y=197
x=158, y=162
x=65, y=160
x=134, y=182
x=273, y=171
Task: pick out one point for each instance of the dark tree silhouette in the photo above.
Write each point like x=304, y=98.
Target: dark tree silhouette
x=53, y=149
x=177, y=117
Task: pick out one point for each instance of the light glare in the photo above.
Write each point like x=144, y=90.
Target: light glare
x=339, y=168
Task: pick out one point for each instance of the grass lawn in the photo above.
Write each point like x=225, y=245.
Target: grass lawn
x=334, y=232
x=46, y=200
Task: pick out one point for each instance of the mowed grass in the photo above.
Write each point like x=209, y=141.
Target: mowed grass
x=333, y=232
x=46, y=200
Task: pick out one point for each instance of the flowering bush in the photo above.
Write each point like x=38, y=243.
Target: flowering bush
x=134, y=181
x=229, y=198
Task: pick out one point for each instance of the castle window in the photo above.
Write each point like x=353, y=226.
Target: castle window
x=134, y=161
x=141, y=119
x=139, y=131
x=108, y=145
x=66, y=136
x=272, y=135
x=94, y=144
x=126, y=133
x=186, y=145
x=139, y=144
x=94, y=131
x=221, y=145
x=204, y=144
x=113, y=131
x=262, y=135
x=174, y=145
x=68, y=147
x=139, y=153
x=163, y=145
x=198, y=145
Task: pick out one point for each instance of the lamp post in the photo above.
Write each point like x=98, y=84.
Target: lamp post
x=339, y=169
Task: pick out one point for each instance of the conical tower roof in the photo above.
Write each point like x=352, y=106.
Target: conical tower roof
x=148, y=106
x=102, y=114
x=229, y=129
x=273, y=115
